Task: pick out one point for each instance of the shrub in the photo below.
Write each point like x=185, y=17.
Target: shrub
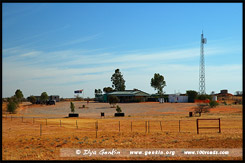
x=204, y=97
x=213, y=104
x=11, y=107
x=32, y=99
x=72, y=107
x=202, y=108
x=118, y=109
x=224, y=103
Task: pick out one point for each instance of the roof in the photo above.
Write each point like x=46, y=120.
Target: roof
x=129, y=93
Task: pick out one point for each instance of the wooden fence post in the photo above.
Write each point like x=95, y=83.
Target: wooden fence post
x=40, y=129
x=148, y=126
x=161, y=125
x=119, y=126
x=219, y=126
x=11, y=117
x=145, y=126
x=131, y=126
x=96, y=128
x=179, y=125
x=197, y=127
x=76, y=122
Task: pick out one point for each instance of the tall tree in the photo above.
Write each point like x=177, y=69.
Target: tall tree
x=19, y=94
x=158, y=83
x=118, y=83
x=191, y=95
x=44, y=97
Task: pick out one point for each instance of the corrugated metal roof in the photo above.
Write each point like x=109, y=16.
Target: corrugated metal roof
x=129, y=93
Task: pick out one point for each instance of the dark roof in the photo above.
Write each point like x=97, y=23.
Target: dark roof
x=129, y=93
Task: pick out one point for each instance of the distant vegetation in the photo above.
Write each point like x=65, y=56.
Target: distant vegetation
x=213, y=104
x=158, y=83
x=32, y=99
x=108, y=90
x=13, y=102
x=44, y=97
x=204, y=97
x=118, y=83
x=192, y=95
x=113, y=100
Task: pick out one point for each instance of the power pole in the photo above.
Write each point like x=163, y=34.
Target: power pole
x=202, y=67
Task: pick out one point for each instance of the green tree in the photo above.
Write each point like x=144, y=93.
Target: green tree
x=107, y=89
x=113, y=100
x=118, y=83
x=158, y=83
x=191, y=95
x=72, y=106
x=19, y=95
x=32, y=99
x=44, y=97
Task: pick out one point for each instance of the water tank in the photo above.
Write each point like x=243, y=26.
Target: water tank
x=214, y=98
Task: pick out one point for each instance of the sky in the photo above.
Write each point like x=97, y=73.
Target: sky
x=62, y=47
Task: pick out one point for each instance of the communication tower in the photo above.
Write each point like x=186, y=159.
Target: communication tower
x=202, y=67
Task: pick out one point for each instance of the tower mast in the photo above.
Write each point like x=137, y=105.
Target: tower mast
x=202, y=67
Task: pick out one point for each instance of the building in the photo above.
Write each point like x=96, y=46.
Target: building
x=177, y=98
x=54, y=97
x=129, y=96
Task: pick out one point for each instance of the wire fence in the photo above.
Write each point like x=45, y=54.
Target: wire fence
x=56, y=126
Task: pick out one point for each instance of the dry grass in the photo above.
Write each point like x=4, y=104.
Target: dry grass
x=22, y=140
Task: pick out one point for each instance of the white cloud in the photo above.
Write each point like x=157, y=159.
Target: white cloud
x=55, y=71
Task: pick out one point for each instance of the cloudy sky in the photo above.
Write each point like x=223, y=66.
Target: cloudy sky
x=59, y=48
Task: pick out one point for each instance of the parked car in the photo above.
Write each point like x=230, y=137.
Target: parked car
x=51, y=102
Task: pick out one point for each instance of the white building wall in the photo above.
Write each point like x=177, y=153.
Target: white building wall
x=178, y=98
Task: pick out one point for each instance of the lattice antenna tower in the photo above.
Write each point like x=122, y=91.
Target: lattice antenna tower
x=202, y=67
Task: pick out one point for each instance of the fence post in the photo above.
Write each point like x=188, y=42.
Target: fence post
x=40, y=129
x=219, y=126
x=161, y=125
x=145, y=126
x=33, y=120
x=197, y=127
x=148, y=126
x=179, y=125
x=6, y=116
x=76, y=122
x=119, y=126
x=46, y=121
x=96, y=127
x=11, y=117
x=131, y=126
x=22, y=118
x=60, y=123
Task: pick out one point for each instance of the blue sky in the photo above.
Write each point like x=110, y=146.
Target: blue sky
x=62, y=47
